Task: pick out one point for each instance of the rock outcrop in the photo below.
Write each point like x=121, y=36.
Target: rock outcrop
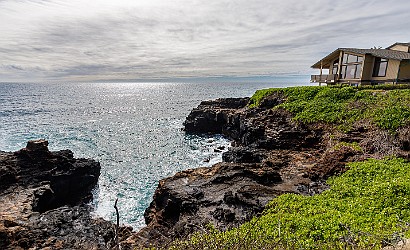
x=261, y=128
x=220, y=115
x=43, y=198
x=271, y=154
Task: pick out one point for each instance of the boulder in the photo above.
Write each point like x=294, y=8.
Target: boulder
x=44, y=198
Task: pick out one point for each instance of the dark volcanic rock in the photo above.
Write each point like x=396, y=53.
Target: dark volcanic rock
x=70, y=180
x=214, y=116
x=272, y=100
x=258, y=128
x=244, y=155
x=225, y=195
x=43, y=195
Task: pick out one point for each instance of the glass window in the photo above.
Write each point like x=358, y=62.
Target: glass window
x=358, y=71
x=344, y=60
x=351, y=58
x=335, y=66
x=380, y=67
x=343, y=72
x=351, y=66
x=350, y=71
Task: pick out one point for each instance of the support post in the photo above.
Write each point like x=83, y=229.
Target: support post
x=321, y=72
x=339, y=67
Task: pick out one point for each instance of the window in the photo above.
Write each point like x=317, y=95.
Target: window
x=344, y=60
x=351, y=66
x=380, y=67
x=358, y=71
x=351, y=58
x=343, y=72
x=350, y=71
x=335, y=67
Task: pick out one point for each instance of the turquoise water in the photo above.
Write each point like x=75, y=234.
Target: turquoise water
x=133, y=129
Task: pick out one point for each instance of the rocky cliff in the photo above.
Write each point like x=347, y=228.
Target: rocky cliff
x=271, y=154
x=43, y=198
x=44, y=194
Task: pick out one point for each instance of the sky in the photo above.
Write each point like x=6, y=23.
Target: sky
x=99, y=40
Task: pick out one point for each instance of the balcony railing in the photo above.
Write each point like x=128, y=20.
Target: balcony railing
x=323, y=78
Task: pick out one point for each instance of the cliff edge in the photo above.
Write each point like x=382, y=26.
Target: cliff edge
x=272, y=153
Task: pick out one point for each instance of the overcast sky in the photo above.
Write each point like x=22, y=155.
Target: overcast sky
x=83, y=40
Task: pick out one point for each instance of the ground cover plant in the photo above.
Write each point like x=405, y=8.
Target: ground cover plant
x=386, y=106
x=367, y=207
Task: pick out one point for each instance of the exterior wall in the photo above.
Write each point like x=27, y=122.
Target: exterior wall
x=392, y=71
x=400, y=48
x=404, y=72
x=368, y=65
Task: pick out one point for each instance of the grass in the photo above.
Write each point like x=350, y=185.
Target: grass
x=386, y=106
x=366, y=208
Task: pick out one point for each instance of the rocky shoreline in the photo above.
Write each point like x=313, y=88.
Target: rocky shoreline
x=44, y=198
x=271, y=154
x=45, y=193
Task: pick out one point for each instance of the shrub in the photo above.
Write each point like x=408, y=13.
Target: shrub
x=344, y=106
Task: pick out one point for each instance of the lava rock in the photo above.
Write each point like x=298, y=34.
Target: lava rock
x=261, y=128
x=225, y=195
x=214, y=116
x=43, y=196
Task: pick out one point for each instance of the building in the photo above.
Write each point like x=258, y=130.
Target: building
x=365, y=66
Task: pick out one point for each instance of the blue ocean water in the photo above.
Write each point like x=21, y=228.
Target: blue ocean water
x=133, y=129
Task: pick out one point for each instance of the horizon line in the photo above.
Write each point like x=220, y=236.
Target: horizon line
x=215, y=79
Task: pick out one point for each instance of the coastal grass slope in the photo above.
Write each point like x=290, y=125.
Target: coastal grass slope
x=386, y=106
x=367, y=207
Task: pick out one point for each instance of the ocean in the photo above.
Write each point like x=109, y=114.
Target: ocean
x=133, y=129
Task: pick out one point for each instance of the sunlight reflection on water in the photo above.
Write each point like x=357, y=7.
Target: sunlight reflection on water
x=133, y=129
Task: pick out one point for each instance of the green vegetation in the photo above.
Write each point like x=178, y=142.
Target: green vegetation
x=353, y=145
x=365, y=208
x=386, y=106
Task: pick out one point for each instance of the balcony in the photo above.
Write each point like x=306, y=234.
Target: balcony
x=323, y=78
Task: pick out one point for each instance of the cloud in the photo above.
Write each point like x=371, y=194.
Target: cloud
x=96, y=40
